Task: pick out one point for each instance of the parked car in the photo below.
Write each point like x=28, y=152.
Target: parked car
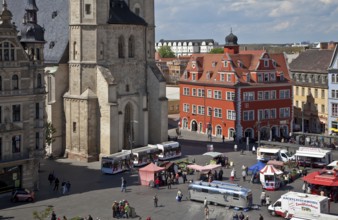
x=22, y=195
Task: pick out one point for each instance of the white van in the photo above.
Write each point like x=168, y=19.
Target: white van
x=269, y=153
x=314, y=157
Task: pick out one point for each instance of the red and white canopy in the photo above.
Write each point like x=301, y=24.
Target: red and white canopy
x=270, y=170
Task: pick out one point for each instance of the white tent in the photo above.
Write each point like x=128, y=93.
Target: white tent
x=270, y=177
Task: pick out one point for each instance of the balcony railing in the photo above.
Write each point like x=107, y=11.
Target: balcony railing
x=20, y=92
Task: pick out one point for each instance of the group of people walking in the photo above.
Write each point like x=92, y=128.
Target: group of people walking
x=65, y=184
x=121, y=209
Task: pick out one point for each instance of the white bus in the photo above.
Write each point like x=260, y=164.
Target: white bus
x=145, y=155
x=169, y=150
x=116, y=163
x=221, y=193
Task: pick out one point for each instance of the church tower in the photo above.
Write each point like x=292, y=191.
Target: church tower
x=116, y=98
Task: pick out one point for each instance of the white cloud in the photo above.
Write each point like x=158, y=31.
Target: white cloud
x=327, y=1
x=282, y=26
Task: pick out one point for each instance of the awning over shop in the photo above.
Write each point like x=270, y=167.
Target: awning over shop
x=310, y=154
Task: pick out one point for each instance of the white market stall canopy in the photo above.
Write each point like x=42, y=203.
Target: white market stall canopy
x=270, y=170
x=213, y=154
x=311, y=152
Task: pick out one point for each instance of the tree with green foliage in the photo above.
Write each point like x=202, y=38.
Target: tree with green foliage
x=216, y=50
x=43, y=214
x=50, y=131
x=166, y=52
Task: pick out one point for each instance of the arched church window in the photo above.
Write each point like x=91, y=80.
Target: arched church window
x=74, y=50
x=127, y=88
x=131, y=47
x=121, y=47
x=15, y=82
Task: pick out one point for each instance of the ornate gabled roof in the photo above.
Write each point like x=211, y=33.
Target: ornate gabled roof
x=121, y=14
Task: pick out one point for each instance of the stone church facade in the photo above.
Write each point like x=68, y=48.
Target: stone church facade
x=116, y=98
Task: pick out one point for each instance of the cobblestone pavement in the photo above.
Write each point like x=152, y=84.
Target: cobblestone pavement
x=93, y=192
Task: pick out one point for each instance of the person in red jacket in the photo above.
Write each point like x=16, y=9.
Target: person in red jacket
x=157, y=182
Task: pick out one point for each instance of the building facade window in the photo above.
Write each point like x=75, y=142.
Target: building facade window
x=194, y=109
x=16, y=144
x=230, y=96
x=200, y=92
x=131, y=47
x=186, y=107
x=37, y=140
x=248, y=96
x=121, y=47
x=7, y=51
x=16, y=113
x=303, y=91
x=260, y=95
x=273, y=113
x=284, y=94
x=297, y=103
x=37, y=110
x=272, y=77
x=334, y=109
x=334, y=94
x=209, y=93
x=39, y=81
x=15, y=82
x=316, y=93
x=267, y=95
x=323, y=108
x=297, y=90
x=217, y=94
x=186, y=91
x=284, y=112
x=273, y=95
x=200, y=110
x=194, y=92
x=334, y=78
x=248, y=115
x=231, y=115
x=323, y=94
x=218, y=113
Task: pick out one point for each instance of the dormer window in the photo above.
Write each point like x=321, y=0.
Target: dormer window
x=274, y=63
x=222, y=77
x=208, y=75
x=281, y=76
x=225, y=63
x=239, y=64
x=266, y=63
x=248, y=77
x=273, y=77
x=7, y=51
x=194, y=76
x=185, y=75
x=266, y=77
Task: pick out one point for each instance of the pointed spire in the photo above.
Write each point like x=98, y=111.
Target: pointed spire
x=31, y=12
x=4, y=4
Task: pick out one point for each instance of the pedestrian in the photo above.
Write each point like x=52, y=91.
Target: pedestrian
x=244, y=175
x=304, y=187
x=253, y=149
x=267, y=200
x=64, y=188
x=169, y=183
x=246, y=218
x=223, y=138
x=309, y=191
x=215, y=175
x=64, y=218
x=157, y=182
x=89, y=217
x=155, y=200
x=184, y=176
x=51, y=178
x=68, y=185
x=179, y=195
x=261, y=217
x=220, y=175
x=205, y=203
x=235, y=216
x=126, y=210
x=263, y=198
x=115, y=208
x=177, y=177
x=56, y=184
x=241, y=216
x=206, y=212
x=123, y=185
x=53, y=216
x=233, y=174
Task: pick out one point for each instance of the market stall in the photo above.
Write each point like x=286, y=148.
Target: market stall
x=205, y=171
x=270, y=177
x=325, y=181
x=148, y=174
x=217, y=158
x=276, y=163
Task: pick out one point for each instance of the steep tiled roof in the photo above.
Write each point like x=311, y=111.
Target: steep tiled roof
x=241, y=64
x=53, y=17
x=312, y=61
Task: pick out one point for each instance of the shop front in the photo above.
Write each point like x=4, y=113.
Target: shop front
x=10, y=178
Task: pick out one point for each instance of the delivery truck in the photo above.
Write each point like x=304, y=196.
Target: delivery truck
x=270, y=153
x=314, y=217
x=300, y=203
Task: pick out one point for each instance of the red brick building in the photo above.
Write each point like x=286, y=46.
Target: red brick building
x=237, y=92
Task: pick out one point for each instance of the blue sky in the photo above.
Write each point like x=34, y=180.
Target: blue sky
x=253, y=21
